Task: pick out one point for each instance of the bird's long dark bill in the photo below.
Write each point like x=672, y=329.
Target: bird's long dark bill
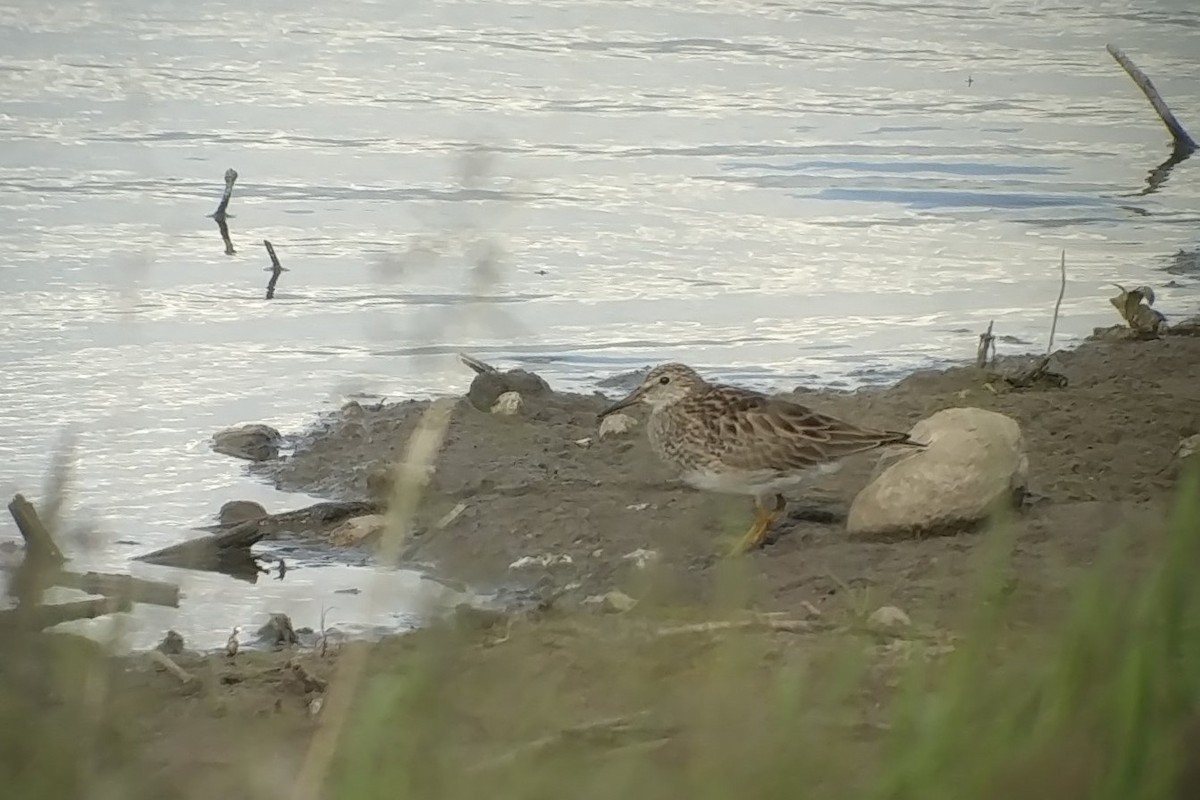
x=632, y=399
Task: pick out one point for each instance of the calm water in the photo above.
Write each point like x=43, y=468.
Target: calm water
x=827, y=192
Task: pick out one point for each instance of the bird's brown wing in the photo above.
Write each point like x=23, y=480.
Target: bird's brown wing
x=754, y=431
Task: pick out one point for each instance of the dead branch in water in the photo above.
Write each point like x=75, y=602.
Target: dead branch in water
x=987, y=347
x=231, y=177
x=1183, y=142
x=276, y=269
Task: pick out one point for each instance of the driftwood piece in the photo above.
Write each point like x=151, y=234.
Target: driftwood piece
x=138, y=590
x=1037, y=374
x=186, y=678
x=1183, y=142
x=38, y=542
x=276, y=269
x=227, y=552
x=38, y=617
x=309, y=681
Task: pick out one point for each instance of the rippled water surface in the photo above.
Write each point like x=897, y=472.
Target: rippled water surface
x=775, y=192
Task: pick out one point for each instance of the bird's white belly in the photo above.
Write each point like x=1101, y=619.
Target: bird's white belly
x=756, y=481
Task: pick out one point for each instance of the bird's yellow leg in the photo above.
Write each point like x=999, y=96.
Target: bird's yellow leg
x=758, y=531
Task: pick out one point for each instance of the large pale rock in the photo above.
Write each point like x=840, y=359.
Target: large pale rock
x=974, y=463
x=356, y=530
x=253, y=442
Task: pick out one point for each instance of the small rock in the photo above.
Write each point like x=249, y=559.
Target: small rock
x=489, y=384
x=1188, y=447
x=637, y=507
x=356, y=530
x=617, y=602
x=641, y=557
x=278, y=631
x=584, y=442
x=616, y=424
x=508, y=404
x=172, y=644
x=889, y=617
x=974, y=463
x=254, y=442
x=614, y=602
x=236, y=511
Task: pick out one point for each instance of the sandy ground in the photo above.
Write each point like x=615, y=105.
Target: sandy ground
x=1100, y=453
x=1097, y=452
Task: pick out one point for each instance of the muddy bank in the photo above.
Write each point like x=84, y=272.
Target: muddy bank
x=547, y=503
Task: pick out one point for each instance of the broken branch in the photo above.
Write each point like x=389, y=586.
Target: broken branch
x=276, y=269
x=1183, y=142
x=165, y=661
x=987, y=347
x=38, y=542
x=230, y=177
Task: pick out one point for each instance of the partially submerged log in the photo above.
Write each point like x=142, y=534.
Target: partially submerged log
x=227, y=552
x=41, y=568
x=137, y=590
x=38, y=542
x=39, y=617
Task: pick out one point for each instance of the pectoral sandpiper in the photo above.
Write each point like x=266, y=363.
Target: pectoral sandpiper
x=736, y=441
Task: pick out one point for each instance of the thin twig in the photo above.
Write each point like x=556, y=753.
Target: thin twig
x=1062, y=289
x=780, y=625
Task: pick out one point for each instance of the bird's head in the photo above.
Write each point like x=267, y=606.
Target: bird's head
x=664, y=385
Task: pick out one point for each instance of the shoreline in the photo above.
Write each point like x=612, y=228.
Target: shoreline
x=687, y=640
x=535, y=510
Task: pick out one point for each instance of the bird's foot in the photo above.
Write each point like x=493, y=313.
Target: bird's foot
x=754, y=537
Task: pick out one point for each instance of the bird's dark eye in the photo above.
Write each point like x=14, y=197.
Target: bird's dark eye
x=664, y=380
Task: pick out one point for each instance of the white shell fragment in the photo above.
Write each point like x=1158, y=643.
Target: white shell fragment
x=616, y=424
x=508, y=404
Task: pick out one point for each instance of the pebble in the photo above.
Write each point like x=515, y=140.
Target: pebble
x=641, y=557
